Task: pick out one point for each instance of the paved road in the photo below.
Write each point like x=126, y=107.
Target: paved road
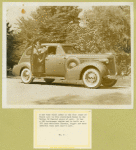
x=66, y=93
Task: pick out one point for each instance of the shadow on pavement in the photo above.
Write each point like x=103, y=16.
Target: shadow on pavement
x=59, y=84
x=103, y=99
x=77, y=85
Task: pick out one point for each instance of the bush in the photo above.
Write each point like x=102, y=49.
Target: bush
x=123, y=62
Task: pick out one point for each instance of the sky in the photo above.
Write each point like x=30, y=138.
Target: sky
x=14, y=12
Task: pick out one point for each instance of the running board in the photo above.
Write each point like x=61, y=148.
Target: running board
x=53, y=77
x=50, y=77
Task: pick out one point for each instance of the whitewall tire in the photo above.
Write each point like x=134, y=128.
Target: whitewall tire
x=92, y=78
x=26, y=76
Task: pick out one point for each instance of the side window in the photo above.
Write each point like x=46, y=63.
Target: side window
x=28, y=52
x=52, y=50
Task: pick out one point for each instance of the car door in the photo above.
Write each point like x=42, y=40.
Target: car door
x=54, y=63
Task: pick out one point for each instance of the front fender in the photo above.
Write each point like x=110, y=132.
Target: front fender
x=17, y=68
x=76, y=72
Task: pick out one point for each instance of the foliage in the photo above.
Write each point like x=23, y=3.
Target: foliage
x=50, y=23
x=109, y=27
x=123, y=62
x=10, y=46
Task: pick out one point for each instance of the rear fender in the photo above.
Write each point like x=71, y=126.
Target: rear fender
x=18, y=68
x=77, y=72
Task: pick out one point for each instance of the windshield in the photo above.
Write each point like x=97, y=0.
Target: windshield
x=70, y=50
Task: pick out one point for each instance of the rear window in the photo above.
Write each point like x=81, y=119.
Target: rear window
x=70, y=50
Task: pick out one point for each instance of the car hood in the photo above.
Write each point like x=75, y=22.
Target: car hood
x=91, y=57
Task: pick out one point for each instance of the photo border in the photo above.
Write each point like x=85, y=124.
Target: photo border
x=4, y=59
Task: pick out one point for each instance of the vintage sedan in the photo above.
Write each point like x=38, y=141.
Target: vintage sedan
x=64, y=62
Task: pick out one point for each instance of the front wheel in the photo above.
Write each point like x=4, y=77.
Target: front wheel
x=49, y=81
x=92, y=78
x=109, y=82
x=26, y=76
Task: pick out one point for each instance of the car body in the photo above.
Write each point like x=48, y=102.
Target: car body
x=65, y=63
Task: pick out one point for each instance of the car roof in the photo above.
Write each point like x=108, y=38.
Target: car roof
x=56, y=44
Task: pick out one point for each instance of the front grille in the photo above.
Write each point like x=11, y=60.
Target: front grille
x=111, y=66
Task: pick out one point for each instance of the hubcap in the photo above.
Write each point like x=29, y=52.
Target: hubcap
x=91, y=77
x=26, y=75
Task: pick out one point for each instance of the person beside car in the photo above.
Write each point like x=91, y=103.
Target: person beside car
x=42, y=53
x=38, y=58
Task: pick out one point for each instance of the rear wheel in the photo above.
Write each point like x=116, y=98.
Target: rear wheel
x=26, y=76
x=92, y=78
x=49, y=81
x=108, y=82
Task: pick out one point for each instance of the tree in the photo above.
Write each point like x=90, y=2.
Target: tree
x=10, y=46
x=50, y=23
x=110, y=27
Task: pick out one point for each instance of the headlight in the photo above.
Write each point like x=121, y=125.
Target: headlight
x=107, y=61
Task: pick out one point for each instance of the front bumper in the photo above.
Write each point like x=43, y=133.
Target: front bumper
x=112, y=76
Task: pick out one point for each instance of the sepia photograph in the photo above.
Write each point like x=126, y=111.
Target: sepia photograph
x=68, y=55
